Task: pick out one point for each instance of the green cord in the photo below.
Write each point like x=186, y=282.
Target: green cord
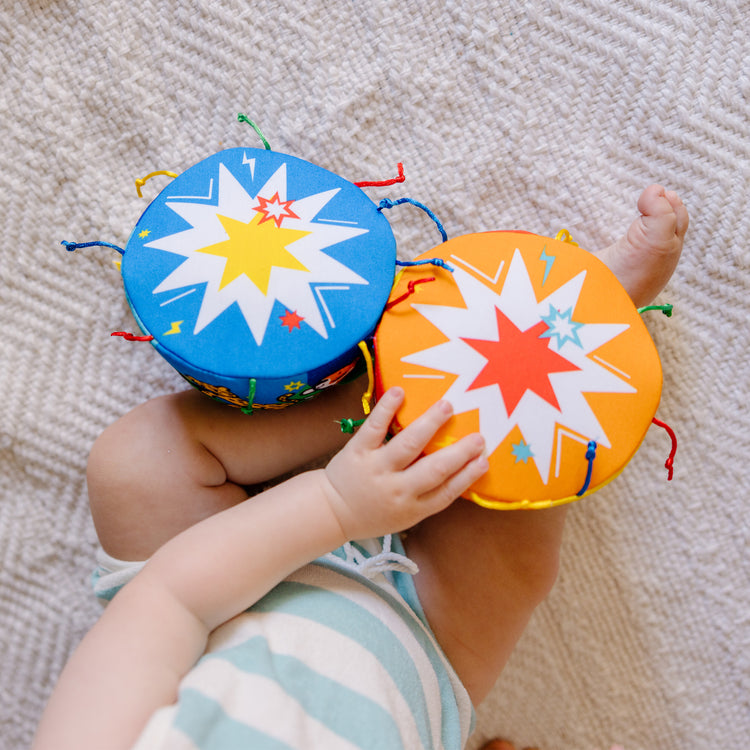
x=250, y=398
x=245, y=118
x=348, y=425
x=666, y=309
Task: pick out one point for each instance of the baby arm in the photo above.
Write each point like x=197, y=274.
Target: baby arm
x=156, y=628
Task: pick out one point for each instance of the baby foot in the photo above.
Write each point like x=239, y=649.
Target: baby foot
x=644, y=259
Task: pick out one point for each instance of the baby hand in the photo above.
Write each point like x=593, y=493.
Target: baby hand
x=376, y=488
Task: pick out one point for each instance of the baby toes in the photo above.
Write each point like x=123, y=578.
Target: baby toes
x=662, y=223
x=680, y=212
x=645, y=258
x=654, y=202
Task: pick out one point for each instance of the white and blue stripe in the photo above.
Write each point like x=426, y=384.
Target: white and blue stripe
x=329, y=659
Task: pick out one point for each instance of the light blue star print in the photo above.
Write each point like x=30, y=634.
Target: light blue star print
x=562, y=327
x=522, y=451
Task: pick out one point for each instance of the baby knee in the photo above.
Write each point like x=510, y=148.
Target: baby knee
x=125, y=450
x=149, y=477
x=147, y=451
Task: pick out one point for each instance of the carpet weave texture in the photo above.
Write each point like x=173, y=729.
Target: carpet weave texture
x=516, y=115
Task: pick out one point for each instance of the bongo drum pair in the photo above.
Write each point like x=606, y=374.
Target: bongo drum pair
x=258, y=274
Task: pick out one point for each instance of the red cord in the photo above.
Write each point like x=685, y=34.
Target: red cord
x=410, y=287
x=131, y=337
x=669, y=463
x=384, y=183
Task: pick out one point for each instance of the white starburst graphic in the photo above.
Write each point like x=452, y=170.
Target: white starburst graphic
x=258, y=249
x=538, y=413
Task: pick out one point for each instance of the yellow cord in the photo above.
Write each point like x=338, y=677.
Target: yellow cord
x=564, y=236
x=139, y=183
x=367, y=395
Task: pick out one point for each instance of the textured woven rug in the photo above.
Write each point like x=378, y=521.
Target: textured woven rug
x=533, y=116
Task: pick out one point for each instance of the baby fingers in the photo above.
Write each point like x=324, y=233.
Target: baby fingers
x=443, y=476
x=408, y=445
x=373, y=432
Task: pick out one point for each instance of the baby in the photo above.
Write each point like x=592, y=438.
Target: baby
x=261, y=622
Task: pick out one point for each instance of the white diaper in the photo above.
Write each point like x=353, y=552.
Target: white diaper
x=112, y=574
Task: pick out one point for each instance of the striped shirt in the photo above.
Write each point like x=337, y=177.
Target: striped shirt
x=338, y=656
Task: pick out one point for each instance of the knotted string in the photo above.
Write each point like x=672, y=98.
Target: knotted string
x=141, y=181
x=384, y=183
x=409, y=292
x=72, y=246
x=131, y=337
x=250, y=397
x=384, y=561
x=666, y=309
x=590, y=456
x=669, y=463
x=245, y=118
x=439, y=262
x=388, y=203
x=367, y=395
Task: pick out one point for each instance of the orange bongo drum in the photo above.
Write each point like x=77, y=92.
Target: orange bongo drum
x=538, y=347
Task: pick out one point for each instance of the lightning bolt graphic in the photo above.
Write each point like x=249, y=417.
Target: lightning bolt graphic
x=175, y=327
x=549, y=260
x=251, y=162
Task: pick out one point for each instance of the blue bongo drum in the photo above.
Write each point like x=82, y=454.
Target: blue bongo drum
x=257, y=274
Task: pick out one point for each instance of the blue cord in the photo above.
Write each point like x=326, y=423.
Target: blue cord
x=429, y=262
x=590, y=456
x=71, y=246
x=388, y=203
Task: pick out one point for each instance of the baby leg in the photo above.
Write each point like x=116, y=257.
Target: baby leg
x=177, y=459
x=482, y=572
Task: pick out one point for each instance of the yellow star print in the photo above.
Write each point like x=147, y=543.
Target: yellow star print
x=254, y=249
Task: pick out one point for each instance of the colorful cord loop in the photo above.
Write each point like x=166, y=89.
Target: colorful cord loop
x=348, y=425
x=384, y=183
x=666, y=309
x=590, y=456
x=407, y=294
x=388, y=203
x=131, y=337
x=250, y=397
x=367, y=395
x=245, y=118
x=141, y=181
x=669, y=463
x=564, y=236
x=72, y=246
x=439, y=262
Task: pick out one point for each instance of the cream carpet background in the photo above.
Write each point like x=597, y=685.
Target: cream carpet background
x=537, y=116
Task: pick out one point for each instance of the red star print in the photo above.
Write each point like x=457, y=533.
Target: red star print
x=275, y=209
x=518, y=362
x=290, y=319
